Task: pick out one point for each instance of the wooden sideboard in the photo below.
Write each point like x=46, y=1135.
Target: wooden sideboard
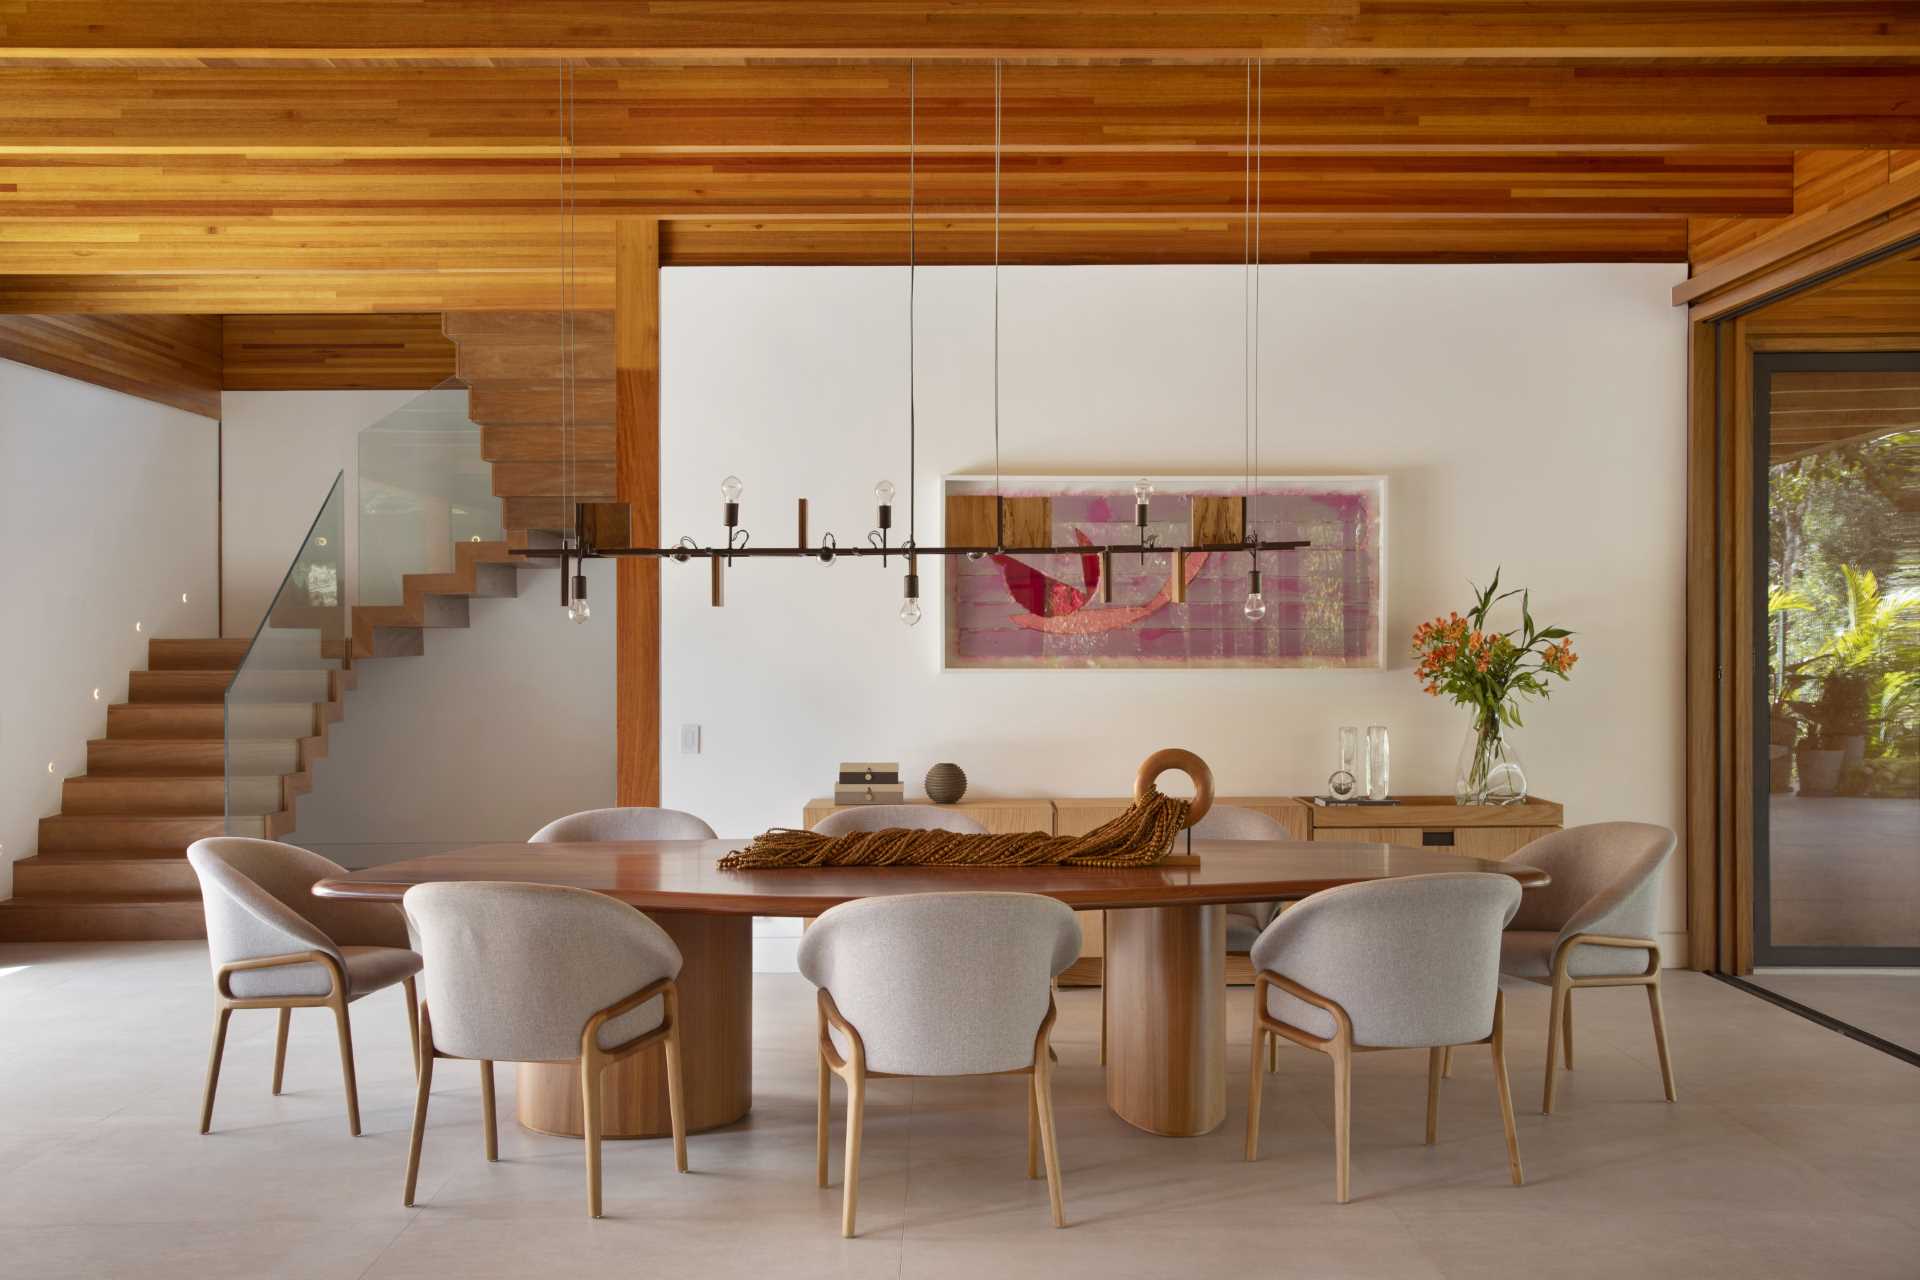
x=1436, y=822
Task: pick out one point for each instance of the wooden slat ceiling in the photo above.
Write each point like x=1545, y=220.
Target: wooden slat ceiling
x=260, y=185
x=1333, y=30
x=1813, y=412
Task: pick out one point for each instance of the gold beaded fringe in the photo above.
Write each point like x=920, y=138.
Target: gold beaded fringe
x=1140, y=837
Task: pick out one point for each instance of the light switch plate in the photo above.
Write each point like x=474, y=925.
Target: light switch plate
x=689, y=739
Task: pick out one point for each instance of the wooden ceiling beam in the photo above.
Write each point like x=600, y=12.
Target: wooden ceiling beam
x=379, y=271
x=232, y=188
x=399, y=113
x=1362, y=31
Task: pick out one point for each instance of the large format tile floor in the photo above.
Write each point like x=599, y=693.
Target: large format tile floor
x=1790, y=1153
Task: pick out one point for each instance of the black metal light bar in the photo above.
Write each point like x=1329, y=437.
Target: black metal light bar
x=855, y=550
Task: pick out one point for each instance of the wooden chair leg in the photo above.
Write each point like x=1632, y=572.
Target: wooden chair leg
x=280, y=1050
x=1342, y=1054
x=1033, y=1131
x=856, y=1109
x=1555, y=1017
x=345, y=1029
x=1446, y=1063
x=1660, y=1036
x=1434, y=1057
x=423, y=1088
x=1256, y=1085
x=1499, y=1046
x=220, y=1017
x=1566, y=1031
x=413, y=1020
x=820, y=1123
x=487, y=1113
x=590, y=1130
x=676, y=1094
x=1103, y=988
x=1049, y=1145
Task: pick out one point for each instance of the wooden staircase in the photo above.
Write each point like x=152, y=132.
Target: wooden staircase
x=112, y=863
x=510, y=362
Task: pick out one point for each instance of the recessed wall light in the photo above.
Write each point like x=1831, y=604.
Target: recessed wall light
x=136, y=626
x=96, y=695
x=320, y=542
x=49, y=766
x=183, y=597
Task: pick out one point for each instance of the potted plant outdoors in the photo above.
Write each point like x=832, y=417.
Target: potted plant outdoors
x=1488, y=672
x=1839, y=717
x=1879, y=637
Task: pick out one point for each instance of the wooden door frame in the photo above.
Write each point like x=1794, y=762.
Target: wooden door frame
x=1722, y=761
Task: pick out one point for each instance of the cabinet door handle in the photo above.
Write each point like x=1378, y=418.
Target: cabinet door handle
x=1437, y=839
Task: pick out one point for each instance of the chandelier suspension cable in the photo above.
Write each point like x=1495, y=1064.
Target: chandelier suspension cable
x=1259, y=168
x=1246, y=295
x=560, y=335
x=569, y=382
x=913, y=194
x=999, y=503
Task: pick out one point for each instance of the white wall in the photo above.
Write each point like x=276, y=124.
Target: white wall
x=280, y=452
x=107, y=519
x=1528, y=417
x=495, y=730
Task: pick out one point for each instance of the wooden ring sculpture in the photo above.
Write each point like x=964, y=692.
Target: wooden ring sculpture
x=1188, y=763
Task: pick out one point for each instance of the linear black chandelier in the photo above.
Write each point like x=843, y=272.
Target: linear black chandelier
x=578, y=546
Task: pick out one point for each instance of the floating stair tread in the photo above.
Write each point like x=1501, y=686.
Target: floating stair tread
x=196, y=655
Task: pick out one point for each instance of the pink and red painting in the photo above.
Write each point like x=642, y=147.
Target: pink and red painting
x=1324, y=602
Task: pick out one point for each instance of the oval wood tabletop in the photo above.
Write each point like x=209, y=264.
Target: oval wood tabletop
x=682, y=875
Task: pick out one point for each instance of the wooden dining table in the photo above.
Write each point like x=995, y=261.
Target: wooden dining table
x=1164, y=968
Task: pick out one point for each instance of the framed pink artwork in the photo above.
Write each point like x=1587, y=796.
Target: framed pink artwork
x=1325, y=603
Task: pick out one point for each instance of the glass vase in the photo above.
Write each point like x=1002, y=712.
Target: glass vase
x=1489, y=769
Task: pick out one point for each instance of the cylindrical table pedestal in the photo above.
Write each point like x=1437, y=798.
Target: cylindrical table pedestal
x=1166, y=1018
x=716, y=1044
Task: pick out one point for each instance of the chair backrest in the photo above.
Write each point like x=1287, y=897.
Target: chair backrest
x=943, y=984
x=623, y=824
x=880, y=817
x=513, y=971
x=1224, y=822
x=1606, y=880
x=258, y=896
x=1413, y=960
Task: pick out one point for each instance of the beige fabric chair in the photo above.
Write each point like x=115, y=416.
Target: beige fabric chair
x=276, y=946
x=1595, y=925
x=543, y=973
x=883, y=817
x=635, y=823
x=1406, y=963
x=938, y=984
x=1245, y=920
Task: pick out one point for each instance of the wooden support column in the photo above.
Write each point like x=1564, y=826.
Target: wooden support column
x=636, y=338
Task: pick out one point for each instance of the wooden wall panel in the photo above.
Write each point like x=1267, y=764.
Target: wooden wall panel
x=171, y=359
x=1823, y=180
x=402, y=351
x=637, y=482
x=184, y=30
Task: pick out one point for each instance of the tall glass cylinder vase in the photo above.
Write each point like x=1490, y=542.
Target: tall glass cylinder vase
x=1377, y=762
x=1489, y=769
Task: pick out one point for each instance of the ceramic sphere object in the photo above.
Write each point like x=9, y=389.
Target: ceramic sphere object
x=946, y=783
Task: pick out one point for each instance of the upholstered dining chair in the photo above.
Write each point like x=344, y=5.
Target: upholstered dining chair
x=276, y=946
x=634, y=823
x=1407, y=963
x=938, y=984
x=882, y=817
x=543, y=973
x=1595, y=925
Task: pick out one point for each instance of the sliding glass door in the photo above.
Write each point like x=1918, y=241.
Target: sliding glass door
x=1837, y=632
